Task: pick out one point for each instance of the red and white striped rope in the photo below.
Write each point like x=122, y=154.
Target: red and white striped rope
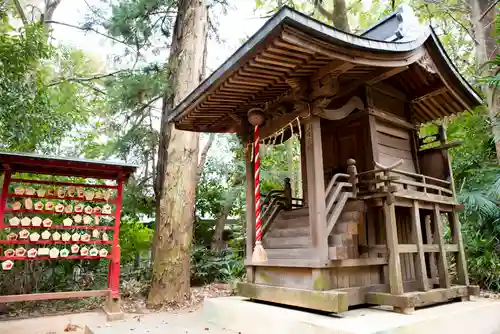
x=258, y=219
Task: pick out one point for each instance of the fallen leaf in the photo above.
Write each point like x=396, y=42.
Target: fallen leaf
x=71, y=328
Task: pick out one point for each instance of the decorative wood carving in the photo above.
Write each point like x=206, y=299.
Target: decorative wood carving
x=335, y=114
x=427, y=64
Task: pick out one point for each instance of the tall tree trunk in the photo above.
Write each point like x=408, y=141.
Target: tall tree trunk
x=483, y=18
x=338, y=15
x=178, y=163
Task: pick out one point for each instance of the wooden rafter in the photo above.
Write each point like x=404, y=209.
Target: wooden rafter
x=428, y=92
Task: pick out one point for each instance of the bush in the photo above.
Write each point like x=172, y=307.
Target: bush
x=135, y=242
x=208, y=266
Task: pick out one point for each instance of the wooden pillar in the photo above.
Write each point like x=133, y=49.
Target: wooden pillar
x=395, y=278
x=456, y=235
x=429, y=240
x=250, y=204
x=419, y=257
x=444, y=281
x=443, y=139
x=316, y=187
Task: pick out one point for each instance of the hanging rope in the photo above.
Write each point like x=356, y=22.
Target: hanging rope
x=258, y=218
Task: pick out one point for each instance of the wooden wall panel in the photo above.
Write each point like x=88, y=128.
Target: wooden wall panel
x=345, y=139
x=393, y=144
x=349, y=277
x=387, y=103
x=330, y=150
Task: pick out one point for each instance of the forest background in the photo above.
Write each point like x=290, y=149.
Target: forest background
x=90, y=83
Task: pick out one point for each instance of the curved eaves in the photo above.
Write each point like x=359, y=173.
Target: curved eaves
x=449, y=73
x=300, y=21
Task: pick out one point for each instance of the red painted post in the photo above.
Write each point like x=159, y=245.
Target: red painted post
x=114, y=272
x=5, y=191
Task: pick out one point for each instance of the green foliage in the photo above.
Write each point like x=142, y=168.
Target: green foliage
x=208, y=267
x=477, y=178
x=135, y=241
x=38, y=109
x=24, y=102
x=137, y=21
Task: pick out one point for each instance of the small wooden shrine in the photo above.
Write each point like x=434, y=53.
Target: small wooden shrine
x=59, y=209
x=370, y=225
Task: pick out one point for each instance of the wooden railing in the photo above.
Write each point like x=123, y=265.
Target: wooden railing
x=384, y=179
x=271, y=212
x=275, y=201
x=337, y=193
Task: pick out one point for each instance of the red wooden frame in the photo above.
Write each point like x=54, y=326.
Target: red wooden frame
x=12, y=163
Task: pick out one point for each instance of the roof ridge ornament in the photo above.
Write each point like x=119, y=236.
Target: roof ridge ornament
x=400, y=26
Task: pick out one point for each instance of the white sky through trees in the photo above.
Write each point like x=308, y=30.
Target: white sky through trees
x=234, y=28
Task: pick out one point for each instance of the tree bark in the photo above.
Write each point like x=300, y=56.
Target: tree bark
x=178, y=163
x=338, y=15
x=483, y=18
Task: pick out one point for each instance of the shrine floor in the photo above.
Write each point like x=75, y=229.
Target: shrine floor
x=479, y=316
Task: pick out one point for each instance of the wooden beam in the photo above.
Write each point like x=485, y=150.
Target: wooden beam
x=328, y=301
x=366, y=262
x=391, y=118
x=54, y=295
x=444, y=279
x=370, y=79
x=395, y=278
x=419, y=258
x=334, y=69
x=290, y=263
x=382, y=74
x=417, y=298
x=429, y=92
x=409, y=248
x=356, y=295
